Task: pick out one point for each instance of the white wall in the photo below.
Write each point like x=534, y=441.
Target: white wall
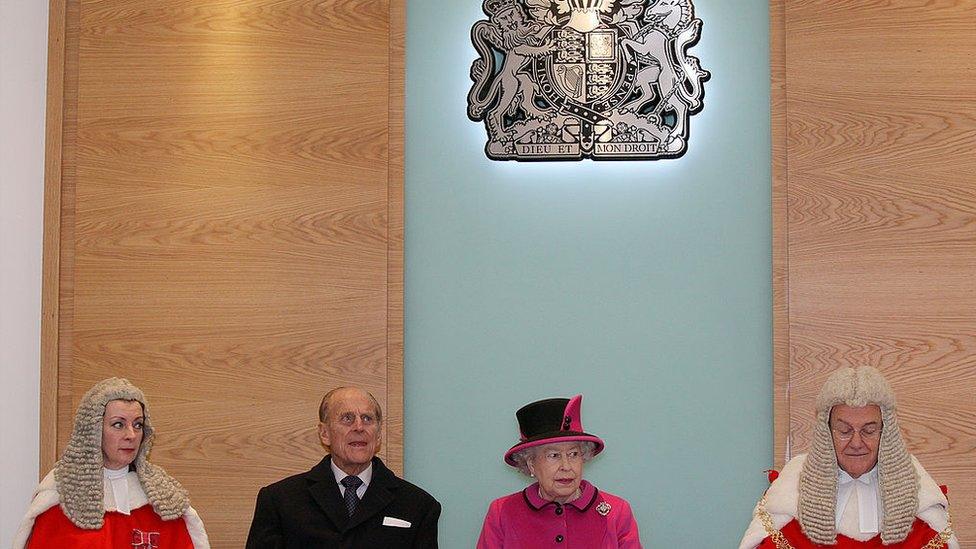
x=23, y=62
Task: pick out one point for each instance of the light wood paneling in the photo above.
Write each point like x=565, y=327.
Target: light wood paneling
x=779, y=195
x=394, y=343
x=66, y=263
x=50, y=283
x=230, y=228
x=880, y=233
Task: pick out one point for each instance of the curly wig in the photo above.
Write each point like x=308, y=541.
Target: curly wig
x=897, y=476
x=79, y=471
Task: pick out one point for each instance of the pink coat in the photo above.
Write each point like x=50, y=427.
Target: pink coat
x=595, y=520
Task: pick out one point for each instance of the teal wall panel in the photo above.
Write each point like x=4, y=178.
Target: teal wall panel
x=646, y=286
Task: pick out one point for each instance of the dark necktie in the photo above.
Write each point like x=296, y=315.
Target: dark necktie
x=352, y=484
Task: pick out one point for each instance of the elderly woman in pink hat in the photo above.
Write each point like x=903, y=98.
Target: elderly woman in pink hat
x=560, y=509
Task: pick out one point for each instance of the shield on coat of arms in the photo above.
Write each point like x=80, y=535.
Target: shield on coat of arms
x=583, y=67
x=573, y=79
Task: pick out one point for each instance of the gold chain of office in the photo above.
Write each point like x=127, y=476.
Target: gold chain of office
x=938, y=542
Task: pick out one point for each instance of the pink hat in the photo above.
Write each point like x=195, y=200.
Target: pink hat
x=551, y=421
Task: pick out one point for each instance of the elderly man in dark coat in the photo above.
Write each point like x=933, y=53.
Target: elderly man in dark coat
x=350, y=499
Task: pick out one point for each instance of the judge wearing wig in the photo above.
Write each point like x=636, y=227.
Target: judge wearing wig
x=858, y=487
x=103, y=492
x=560, y=509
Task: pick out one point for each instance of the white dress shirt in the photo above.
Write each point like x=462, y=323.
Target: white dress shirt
x=858, y=504
x=365, y=476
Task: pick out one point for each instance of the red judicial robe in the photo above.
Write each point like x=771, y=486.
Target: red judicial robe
x=919, y=536
x=142, y=529
x=781, y=504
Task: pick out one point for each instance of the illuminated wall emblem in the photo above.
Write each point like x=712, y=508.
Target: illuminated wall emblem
x=573, y=79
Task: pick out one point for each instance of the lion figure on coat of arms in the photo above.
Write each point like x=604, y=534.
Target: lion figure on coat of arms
x=508, y=29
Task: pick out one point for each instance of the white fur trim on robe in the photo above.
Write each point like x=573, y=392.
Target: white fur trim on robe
x=46, y=496
x=783, y=493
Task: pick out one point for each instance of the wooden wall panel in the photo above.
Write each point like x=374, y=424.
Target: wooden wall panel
x=779, y=196
x=231, y=228
x=396, y=136
x=880, y=232
x=50, y=295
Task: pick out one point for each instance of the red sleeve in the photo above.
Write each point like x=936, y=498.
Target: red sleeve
x=628, y=536
x=52, y=530
x=492, y=535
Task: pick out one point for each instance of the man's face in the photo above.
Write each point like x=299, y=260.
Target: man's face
x=857, y=435
x=351, y=430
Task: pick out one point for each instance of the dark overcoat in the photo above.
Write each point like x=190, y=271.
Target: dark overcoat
x=307, y=511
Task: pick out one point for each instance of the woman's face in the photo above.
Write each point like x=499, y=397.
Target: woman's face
x=121, y=433
x=559, y=469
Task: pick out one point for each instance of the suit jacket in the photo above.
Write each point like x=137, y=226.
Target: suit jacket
x=307, y=511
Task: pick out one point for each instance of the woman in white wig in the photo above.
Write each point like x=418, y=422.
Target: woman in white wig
x=858, y=487
x=103, y=493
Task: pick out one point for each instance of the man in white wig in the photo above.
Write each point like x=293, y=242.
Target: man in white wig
x=858, y=487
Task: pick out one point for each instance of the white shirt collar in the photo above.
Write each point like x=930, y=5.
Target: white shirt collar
x=115, y=473
x=867, y=488
x=366, y=476
x=116, y=490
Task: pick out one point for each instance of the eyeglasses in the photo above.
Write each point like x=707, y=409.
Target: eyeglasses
x=572, y=456
x=870, y=432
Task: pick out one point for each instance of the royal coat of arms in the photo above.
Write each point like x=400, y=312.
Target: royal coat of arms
x=574, y=79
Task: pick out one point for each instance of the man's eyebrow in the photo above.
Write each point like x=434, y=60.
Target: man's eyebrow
x=846, y=424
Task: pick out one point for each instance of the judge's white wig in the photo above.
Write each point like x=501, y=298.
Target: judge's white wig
x=79, y=471
x=898, y=479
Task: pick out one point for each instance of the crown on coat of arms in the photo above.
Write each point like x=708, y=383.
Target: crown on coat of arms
x=495, y=7
x=585, y=14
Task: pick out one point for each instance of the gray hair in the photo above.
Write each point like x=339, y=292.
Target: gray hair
x=79, y=471
x=327, y=401
x=898, y=479
x=524, y=456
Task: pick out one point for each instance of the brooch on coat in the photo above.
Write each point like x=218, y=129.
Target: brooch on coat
x=603, y=508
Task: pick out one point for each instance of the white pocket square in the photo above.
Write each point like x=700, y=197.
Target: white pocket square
x=395, y=522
